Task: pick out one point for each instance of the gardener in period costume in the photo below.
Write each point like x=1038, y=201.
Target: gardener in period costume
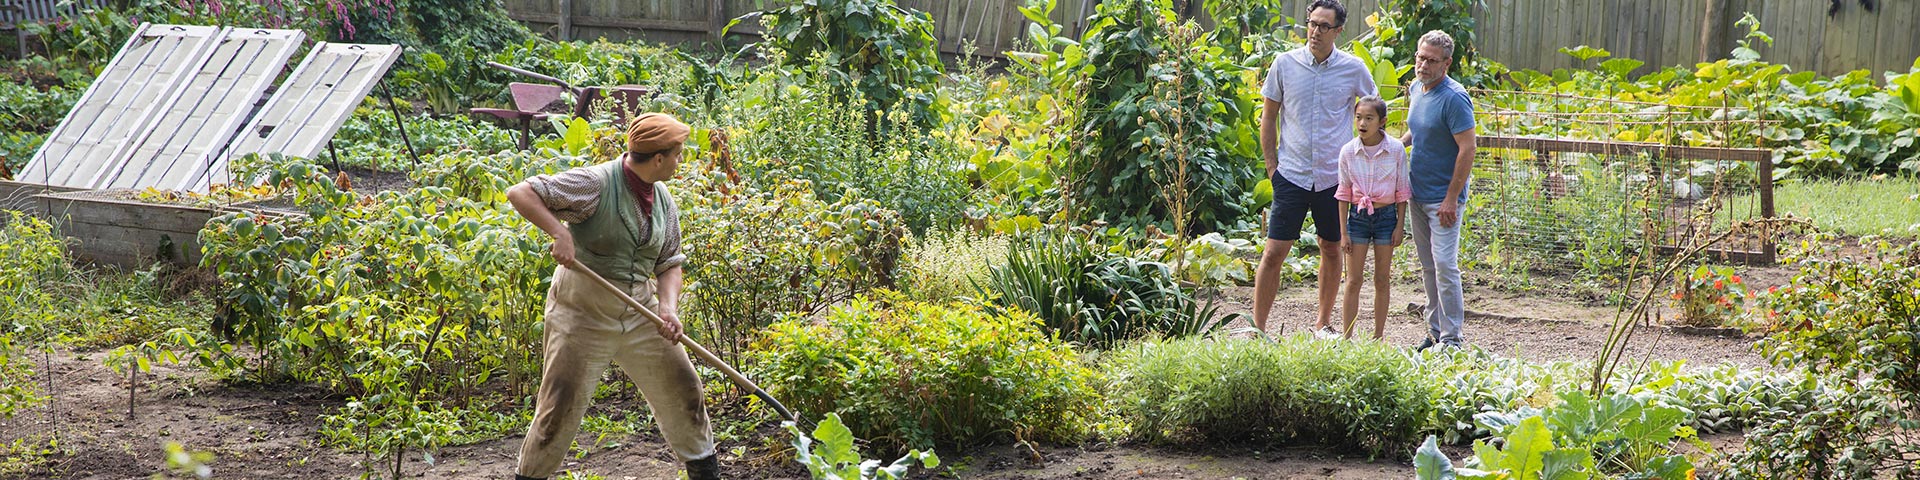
x=621, y=223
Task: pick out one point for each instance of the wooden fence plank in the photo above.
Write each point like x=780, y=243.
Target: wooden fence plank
x=1520, y=33
x=1898, y=22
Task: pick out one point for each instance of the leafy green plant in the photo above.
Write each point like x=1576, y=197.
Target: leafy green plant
x=366, y=294
x=1528, y=452
x=796, y=128
x=16, y=373
x=581, y=64
x=1209, y=260
x=1851, y=323
x=886, y=53
x=1272, y=392
x=1249, y=27
x=909, y=374
x=371, y=139
x=1126, y=131
x=1473, y=386
x=1410, y=19
x=835, y=458
x=1577, y=439
x=1631, y=433
x=90, y=37
x=34, y=109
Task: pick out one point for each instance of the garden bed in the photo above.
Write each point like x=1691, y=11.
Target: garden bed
x=272, y=431
x=112, y=228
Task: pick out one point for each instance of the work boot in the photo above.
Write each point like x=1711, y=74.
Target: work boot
x=704, y=469
x=1425, y=344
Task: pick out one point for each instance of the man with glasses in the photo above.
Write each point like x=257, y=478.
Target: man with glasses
x=1440, y=133
x=1306, y=119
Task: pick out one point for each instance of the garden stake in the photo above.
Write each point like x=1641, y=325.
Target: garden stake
x=698, y=351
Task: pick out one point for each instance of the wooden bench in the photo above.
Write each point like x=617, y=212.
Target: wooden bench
x=15, y=14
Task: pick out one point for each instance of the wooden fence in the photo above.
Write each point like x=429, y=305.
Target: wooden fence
x=1519, y=33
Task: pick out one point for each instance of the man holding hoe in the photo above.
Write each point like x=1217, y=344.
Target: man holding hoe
x=620, y=223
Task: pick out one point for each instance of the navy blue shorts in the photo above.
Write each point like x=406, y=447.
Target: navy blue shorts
x=1291, y=204
x=1374, y=229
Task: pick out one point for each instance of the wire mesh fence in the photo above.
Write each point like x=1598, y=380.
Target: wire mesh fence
x=1565, y=183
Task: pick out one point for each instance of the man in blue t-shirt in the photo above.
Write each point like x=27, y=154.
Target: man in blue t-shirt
x=1440, y=135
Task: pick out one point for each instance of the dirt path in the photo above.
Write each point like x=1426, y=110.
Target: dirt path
x=1525, y=326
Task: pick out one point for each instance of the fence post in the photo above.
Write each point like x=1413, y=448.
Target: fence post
x=1769, y=249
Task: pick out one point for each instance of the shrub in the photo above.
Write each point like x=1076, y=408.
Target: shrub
x=757, y=250
x=943, y=266
x=1852, y=324
x=905, y=373
x=1294, y=390
x=1086, y=295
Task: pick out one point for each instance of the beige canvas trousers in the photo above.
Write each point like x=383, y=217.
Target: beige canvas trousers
x=586, y=328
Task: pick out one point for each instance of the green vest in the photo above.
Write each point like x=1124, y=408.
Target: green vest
x=608, y=242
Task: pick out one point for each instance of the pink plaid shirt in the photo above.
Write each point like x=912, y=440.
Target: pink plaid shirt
x=1374, y=174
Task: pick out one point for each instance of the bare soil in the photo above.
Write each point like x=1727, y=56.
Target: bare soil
x=272, y=431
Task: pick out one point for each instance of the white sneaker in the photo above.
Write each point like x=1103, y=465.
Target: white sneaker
x=1327, y=332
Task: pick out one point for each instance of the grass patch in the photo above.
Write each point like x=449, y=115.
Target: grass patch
x=1853, y=207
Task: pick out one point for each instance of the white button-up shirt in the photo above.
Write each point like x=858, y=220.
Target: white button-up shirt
x=1316, y=112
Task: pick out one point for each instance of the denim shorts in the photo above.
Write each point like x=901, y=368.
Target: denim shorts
x=1372, y=229
x=1292, y=204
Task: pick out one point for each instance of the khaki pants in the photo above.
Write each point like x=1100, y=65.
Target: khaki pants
x=587, y=327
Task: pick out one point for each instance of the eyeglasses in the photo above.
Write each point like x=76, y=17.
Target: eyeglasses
x=1319, y=26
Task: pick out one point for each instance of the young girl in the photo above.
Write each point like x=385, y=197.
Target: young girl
x=1373, y=192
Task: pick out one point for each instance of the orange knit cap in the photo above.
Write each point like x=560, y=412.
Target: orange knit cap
x=655, y=133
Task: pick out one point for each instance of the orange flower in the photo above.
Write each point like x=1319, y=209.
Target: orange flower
x=1736, y=279
x=1719, y=285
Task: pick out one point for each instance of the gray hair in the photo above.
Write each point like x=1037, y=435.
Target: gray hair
x=1439, y=39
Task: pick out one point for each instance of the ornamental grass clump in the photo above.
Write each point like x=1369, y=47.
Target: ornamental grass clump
x=1297, y=390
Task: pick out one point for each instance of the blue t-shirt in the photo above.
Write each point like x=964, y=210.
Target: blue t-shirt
x=1433, y=119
